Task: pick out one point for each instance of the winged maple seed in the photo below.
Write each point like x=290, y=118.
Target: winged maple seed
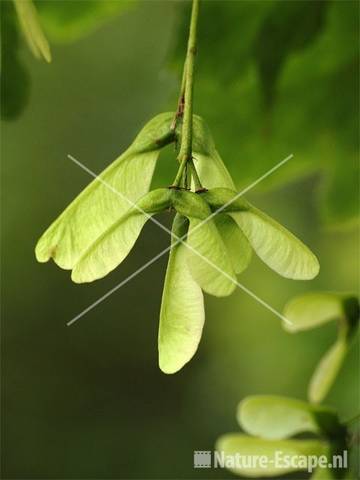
x=314, y=309
x=98, y=229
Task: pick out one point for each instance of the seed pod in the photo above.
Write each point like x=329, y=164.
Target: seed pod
x=190, y=204
x=219, y=197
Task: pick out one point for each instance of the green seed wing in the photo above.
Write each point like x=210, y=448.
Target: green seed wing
x=327, y=370
x=105, y=199
x=208, y=258
x=208, y=163
x=212, y=171
x=112, y=247
x=276, y=246
x=313, y=309
x=237, y=245
x=276, y=417
x=182, y=309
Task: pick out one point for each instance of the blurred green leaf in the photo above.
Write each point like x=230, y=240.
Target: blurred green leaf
x=298, y=60
x=99, y=206
x=236, y=443
x=69, y=20
x=277, y=39
x=275, y=417
x=63, y=21
x=32, y=30
x=182, y=312
x=15, y=80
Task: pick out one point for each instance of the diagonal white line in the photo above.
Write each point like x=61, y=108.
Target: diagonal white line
x=153, y=260
x=178, y=239
x=121, y=195
x=269, y=172
x=119, y=285
x=252, y=185
x=152, y=219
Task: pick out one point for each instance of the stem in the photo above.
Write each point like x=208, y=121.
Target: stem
x=181, y=102
x=188, y=81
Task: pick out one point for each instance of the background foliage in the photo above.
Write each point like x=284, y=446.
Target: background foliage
x=273, y=78
x=273, y=66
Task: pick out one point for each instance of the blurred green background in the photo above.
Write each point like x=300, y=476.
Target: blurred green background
x=274, y=78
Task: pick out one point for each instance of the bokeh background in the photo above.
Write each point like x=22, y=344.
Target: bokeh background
x=273, y=78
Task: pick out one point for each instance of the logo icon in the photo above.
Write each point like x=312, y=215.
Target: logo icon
x=202, y=459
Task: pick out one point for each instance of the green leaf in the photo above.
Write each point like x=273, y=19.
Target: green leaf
x=31, y=28
x=67, y=21
x=276, y=417
x=107, y=198
x=312, y=309
x=305, y=71
x=277, y=39
x=114, y=244
x=15, y=79
x=276, y=246
x=182, y=309
x=234, y=444
x=237, y=245
x=327, y=370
